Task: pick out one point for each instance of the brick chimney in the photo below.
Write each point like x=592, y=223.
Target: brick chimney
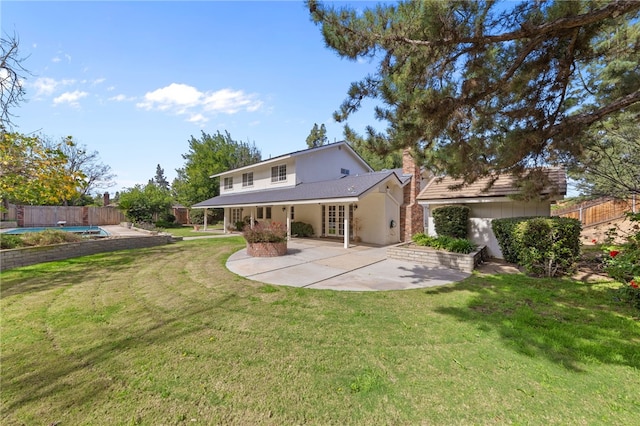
x=411, y=213
x=105, y=199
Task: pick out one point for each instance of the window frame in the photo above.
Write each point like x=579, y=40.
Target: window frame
x=279, y=173
x=228, y=183
x=247, y=179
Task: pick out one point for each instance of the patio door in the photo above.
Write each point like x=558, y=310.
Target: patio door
x=333, y=220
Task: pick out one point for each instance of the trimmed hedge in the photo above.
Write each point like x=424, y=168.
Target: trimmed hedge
x=451, y=221
x=301, y=229
x=544, y=246
x=454, y=245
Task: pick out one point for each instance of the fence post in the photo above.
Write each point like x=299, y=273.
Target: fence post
x=20, y=215
x=580, y=213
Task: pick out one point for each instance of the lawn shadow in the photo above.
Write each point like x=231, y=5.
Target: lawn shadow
x=49, y=275
x=568, y=322
x=50, y=380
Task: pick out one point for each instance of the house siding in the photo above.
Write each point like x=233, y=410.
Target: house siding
x=326, y=165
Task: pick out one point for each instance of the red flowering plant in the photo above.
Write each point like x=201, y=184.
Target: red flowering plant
x=623, y=265
x=631, y=293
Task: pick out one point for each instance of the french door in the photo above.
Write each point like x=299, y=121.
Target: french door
x=333, y=220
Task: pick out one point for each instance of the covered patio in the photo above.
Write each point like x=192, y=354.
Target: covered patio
x=355, y=208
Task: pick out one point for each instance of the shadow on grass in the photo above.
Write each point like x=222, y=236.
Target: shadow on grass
x=49, y=275
x=49, y=380
x=568, y=322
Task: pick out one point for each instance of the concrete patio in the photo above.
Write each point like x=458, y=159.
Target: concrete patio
x=326, y=264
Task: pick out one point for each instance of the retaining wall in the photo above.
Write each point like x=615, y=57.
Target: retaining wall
x=15, y=258
x=438, y=258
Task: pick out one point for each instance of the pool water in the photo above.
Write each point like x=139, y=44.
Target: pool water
x=93, y=231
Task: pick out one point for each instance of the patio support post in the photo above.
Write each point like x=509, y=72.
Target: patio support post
x=288, y=224
x=224, y=220
x=205, y=218
x=251, y=219
x=346, y=227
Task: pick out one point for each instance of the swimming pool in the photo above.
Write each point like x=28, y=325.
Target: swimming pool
x=89, y=231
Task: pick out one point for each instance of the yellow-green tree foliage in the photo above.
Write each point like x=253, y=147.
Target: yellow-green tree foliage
x=32, y=173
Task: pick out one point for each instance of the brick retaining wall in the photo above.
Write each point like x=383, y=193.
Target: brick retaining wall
x=437, y=258
x=15, y=258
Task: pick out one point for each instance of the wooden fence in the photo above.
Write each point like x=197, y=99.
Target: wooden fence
x=29, y=216
x=598, y=211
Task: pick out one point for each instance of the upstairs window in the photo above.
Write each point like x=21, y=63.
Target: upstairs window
x=279, y=173
x=228, y=183
x=247, y=179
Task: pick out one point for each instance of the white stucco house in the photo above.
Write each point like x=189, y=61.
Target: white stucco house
x=335, y=191
x=488, y=204
x=330, y=187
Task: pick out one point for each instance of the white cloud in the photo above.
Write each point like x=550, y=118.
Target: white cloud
x=121, y=98
x=198, y=119
x=55, y=59
x=45, y=86
x=70, y=98
x=184, y=99
x=98, y=81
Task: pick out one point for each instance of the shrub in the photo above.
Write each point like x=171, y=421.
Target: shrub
x=49, y=237
x=455, y=245
x=9, y=241
x=213, y=215
x=622, y=263
x=273, y=232
x=451, y=221
x=503, y=229
x=301, y=229
x=548, y=246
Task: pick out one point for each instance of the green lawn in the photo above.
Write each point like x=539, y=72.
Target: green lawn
x=188, y=231
x=168, y=336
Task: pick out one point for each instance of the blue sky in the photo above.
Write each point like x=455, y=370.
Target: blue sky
x=135, y=80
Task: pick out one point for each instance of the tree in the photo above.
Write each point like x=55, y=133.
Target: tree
x=209, y=155
x=33, y=173
x=392, y=160
x=159, y=178
x=12, y=75
x=97, y=175
x=610, y=165
x=144, y=204
x=318, y=136
x=476, y=87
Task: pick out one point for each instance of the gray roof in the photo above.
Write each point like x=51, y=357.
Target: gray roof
x=504, y=186
x=347, y=187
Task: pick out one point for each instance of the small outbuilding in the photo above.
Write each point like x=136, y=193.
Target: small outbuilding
x=489, y=202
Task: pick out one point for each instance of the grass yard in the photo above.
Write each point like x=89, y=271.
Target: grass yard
x=188, y=231
x=168, y=336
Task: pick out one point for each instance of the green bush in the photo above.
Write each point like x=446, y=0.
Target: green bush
x=455, y=245
x=9, y=241
x=503, y=229
x=623, y=264
x=451, y=221
x=548, y=246
x=301, y=229
x=213, y=216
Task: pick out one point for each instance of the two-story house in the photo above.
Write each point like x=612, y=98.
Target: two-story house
x=330, y=187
